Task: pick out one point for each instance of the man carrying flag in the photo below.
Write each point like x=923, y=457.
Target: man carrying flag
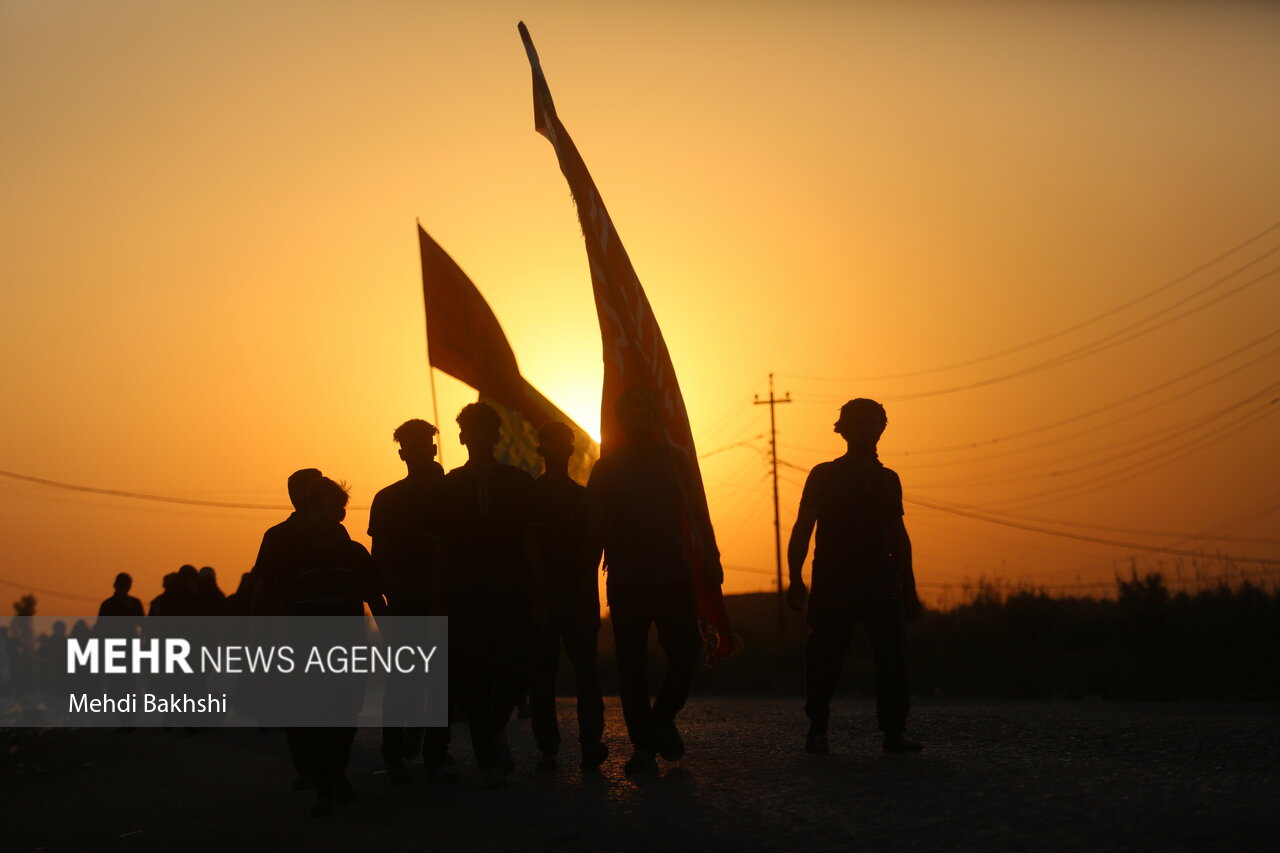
x=634, y=507
x=648, y=505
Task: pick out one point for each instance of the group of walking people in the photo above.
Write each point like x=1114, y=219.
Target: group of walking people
x=512, y=562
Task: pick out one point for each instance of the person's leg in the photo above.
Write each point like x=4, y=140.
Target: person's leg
x=886, y=632
x=314, y=755
x=830, y=633
x=470, y=673
x=296, y=737
x=395, y=705
x=435, y=746
x=631, y=615
x=343, y=738
x=393, y=745
x=581, y=638
x=509, y=663
x=676, y=618
x=435, y=739
x=545, y=656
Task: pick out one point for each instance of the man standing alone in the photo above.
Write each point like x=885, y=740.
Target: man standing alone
x=861, y=573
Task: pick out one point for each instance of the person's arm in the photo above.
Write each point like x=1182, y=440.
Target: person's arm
x=265, y=572
x=798, y=546
x=365, y=568
x=900, y=551
x=381, y=549
x=594, y=535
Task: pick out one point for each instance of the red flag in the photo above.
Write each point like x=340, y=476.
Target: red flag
x=636, y=355
x=465, y=340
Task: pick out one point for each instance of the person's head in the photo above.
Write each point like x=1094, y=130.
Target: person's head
x=637, y=412
x=299, y=482
x=325, y=503
x=170, y=582
x=861, y=423
x=123, y=583
x=417, y=440
x=555, y=443
x=208, y=577
x=479, y=429
x=187, y=577
x=59, y=628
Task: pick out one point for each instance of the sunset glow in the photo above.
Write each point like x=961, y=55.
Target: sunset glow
x=1037, y=232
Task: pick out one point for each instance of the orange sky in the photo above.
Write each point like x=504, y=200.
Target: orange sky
x=211, y=273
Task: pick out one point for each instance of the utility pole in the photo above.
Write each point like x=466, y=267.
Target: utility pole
x=773, y=459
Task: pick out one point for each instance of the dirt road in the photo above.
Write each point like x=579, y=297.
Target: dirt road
x=993, y=776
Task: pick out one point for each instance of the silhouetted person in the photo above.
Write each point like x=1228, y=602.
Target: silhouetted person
x=240, y=602
x=861, y=573
x=278, y=549
x=326, y=574
x=122, y=606
x=568, y=573
x=635, y=505
x=188, y=591
x=281, y=541
x=209, y=600
x=170, y=600
x=404, y=522
x=488, y=513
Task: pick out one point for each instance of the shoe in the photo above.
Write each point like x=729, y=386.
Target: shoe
x=398, y=773
x=593, y=755
x=523, y=711
x=547, y=761
x=641, y=761
x=670, y=744
x=492, y=777
x=442, y=770
x=898, y=743
x=816, y=741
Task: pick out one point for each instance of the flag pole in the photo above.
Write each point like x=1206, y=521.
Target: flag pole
x=435, y=411
x=431, y=377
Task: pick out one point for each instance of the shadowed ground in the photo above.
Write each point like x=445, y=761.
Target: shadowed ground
x=994, y=775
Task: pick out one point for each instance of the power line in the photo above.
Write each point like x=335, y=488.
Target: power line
x=1045, y=339
x=1109, y=406
x=53, y=592
x=1093, y=348
x=1097, y=540
x=1189, y=448
x=1112, y=528
x=1090, y=429
x=746, y=443
x=142, y=496
x=1168, y=433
